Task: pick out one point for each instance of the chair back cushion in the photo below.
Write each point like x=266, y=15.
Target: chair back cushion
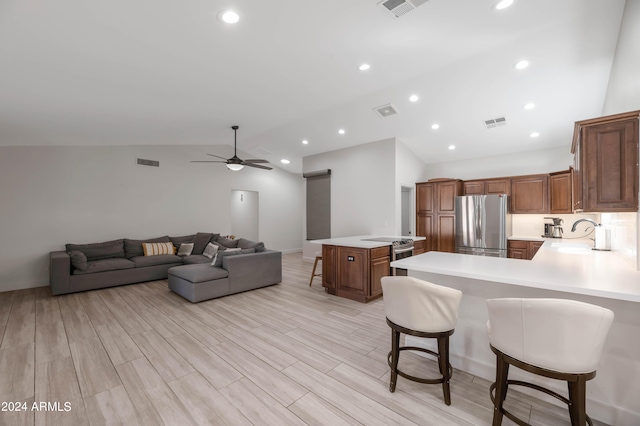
x=557, y=334
x=420, y=305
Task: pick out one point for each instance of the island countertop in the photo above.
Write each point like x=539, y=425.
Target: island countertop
x=559, y=265
x=359, y=241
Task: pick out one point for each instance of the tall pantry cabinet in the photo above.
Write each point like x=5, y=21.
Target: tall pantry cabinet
x=435, y=213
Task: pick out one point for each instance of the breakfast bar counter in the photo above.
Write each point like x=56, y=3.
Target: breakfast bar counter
x=560, y=269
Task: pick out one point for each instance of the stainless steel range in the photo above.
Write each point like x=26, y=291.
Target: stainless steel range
x=399, y=250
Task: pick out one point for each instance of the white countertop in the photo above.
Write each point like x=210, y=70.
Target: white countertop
x=559, y=265
x=357, y=241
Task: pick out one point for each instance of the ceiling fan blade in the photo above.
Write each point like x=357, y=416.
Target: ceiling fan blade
x=217, y=156
x=255, y=161
x=200, y=161
x=257, y=166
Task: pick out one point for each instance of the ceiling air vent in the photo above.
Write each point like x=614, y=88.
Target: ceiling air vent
x=495, y=122
x=261, y=151
x=143, y=162
x=400, y=7
x=386, y=110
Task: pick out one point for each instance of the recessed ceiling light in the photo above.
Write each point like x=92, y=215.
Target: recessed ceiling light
x=529, y=106
x=414, y=98
x=452, y=147
x=503, y=4
x=435, y=126
x=341, y=131
x=364, y=67
x=522, y=64
x=285, y=161
x=534, y=135
x=228, y=16
x=305, y=142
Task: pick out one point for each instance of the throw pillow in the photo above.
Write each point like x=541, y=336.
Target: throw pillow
x=133, y=248
x=201, y=240
x=78, y=260
x=227, y=242
x=185, y=249
x=230, y=252
x=210, y=251
x=155, y=249
x=180, y=240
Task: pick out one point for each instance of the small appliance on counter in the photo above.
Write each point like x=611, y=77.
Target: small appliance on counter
x=553, y=229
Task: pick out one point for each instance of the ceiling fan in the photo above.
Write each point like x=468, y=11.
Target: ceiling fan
x=234, y=163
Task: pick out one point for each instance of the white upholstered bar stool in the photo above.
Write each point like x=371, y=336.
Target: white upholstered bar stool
x=555, y=338
x=420, y=308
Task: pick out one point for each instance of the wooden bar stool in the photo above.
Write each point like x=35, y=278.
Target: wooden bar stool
x=420, y=308
x=315, y=264
x=555, y=338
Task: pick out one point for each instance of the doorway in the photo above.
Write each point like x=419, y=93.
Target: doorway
x=245, y=214
x=406, y=211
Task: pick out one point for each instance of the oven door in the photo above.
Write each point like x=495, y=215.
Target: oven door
x=400, y=253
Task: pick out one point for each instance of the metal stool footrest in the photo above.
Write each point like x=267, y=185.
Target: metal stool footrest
x=419, y=379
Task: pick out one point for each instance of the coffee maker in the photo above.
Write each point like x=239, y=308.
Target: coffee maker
x=553, y=229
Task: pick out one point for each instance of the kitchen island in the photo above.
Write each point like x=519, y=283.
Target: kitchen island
x=353, y=266
x=560, y=269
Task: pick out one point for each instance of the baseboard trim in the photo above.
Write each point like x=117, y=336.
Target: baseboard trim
x=23, y=285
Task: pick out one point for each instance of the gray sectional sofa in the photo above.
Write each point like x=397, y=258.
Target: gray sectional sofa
x=112, y=263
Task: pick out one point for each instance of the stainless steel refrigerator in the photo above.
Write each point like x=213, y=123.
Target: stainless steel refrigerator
x=482, y=225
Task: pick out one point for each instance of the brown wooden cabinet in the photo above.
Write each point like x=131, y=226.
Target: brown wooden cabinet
x=519, y=249
x=355, y=272
x=606, y=150
x=530, y=194
x=560, y=190
x=419, y=247
x=487, y=186
x=435, y=216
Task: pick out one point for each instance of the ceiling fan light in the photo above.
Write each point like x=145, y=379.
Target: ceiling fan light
x=235, y=167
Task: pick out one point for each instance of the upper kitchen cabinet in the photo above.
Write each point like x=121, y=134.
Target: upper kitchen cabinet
x=560, y=189
x=606, y=163
x=435, y=215
x=487, y=186
x=530, y=194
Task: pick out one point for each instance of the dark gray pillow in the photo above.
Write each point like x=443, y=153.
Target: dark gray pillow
x=222, y=254
x=201, y=240
x=182, y=240
x=243, y=243
x=78, y=260
x=227, y=242
x=97, y=251
x=133, y=248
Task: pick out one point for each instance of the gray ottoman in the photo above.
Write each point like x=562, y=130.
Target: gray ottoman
x=199, y=282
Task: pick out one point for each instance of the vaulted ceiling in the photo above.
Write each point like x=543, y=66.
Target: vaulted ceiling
x=170, y=73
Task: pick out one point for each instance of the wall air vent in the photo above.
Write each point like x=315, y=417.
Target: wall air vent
x=400, y=7
x=264, y=152
x=143, y=162
x=495, y=122
x=386, y=110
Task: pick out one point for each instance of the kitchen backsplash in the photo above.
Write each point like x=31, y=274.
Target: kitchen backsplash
x=624, y=235
x=532, y=225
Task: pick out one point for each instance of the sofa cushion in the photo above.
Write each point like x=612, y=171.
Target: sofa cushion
x=97, y=251
x=198, y=273
x=185, y=249
x=156, y=249
x=201, y=240
x=133, y=248
x=162, y=259
x=222, y=254
x=103, y=265
x=210, y=251
x=195, y=259
x=227, y=242
x=182, y=240
x=78, y=260
x=243, y=243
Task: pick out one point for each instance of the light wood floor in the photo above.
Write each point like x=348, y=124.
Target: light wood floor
x=286, y=354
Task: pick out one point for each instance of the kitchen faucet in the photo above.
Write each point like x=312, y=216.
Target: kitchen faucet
x=602, y=236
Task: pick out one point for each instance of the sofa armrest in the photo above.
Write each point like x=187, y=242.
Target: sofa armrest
x=59, y=272
x=248, y=271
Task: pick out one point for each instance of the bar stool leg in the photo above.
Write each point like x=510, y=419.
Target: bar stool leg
x=443, y=364
x=502, y=371
x=395, y=354
x=313, y=273
x=577, y=398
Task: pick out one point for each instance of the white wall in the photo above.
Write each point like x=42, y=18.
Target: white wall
x=517, y=164
x=50, y=196
x=623, y=93
x=409, y=170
